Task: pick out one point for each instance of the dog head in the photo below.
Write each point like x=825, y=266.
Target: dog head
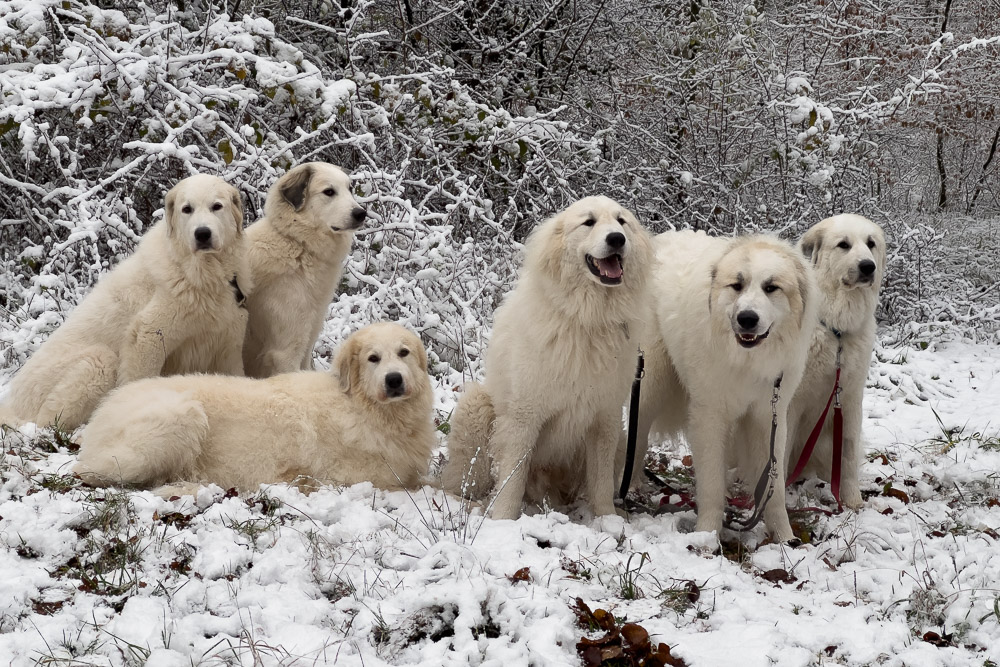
x=847, y=250
x=318, y=195
x=204, y=212
x=597, y=240
x=383, y=362
x=763, y=286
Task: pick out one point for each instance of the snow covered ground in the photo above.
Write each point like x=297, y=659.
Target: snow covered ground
x=358, y=576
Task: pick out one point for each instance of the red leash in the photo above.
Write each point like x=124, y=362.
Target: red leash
x=838, y=430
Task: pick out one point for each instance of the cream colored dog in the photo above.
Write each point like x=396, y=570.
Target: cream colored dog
x=175, y=306
x=848, y=256
x=297, y=255
x=560, y=362
x=732, y=316
x=367, y=421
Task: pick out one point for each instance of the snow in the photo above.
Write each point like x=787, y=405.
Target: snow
x=361, y=576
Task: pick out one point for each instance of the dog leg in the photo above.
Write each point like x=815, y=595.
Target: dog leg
x=708, y=433
x=468, y=471
x=142, y=440
x=850, y=485
x=776, y=513
x=514, y=438
x=152, y=336
x=82, y=384
x=228, y=359
x=601, y=443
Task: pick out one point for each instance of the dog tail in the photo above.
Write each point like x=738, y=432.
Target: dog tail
x=142, y=436
x=468, y=471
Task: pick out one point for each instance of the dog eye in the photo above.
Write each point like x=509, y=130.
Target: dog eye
x=187, y=210
x=589, y=222
x=737, y=287
x=621, y=221
x=329, y=192
x=403, y=352
x=374, y=358
x=871, y=244
x=770, y=288
x=844, y=245
x=217, y=206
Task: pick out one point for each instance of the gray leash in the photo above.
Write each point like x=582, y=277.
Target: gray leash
x=769, y=478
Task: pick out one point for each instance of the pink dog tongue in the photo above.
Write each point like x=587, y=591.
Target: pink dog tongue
x=610, y=267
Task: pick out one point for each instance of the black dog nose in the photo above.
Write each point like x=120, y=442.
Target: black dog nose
x=615, y=239
x=747, y=319
x=202, y=234
x=393, y=380
x=359, y=214
x=866, y=267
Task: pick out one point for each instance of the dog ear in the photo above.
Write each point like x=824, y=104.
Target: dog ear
x=236, y=208
x=546, y=246
x=346, y=363
x=169, y=210
x=811, y=242
x=293, y=189
x=418, y=347
x=805, y=285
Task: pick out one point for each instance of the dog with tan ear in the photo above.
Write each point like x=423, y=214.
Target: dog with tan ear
x=297, y=254
x=369, y=420
x=848, y=255
x=177, y=305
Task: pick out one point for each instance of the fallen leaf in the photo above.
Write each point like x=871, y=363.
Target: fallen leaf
x=636, y=636
x=524, y=574
x=778, y=575
x=896, y=493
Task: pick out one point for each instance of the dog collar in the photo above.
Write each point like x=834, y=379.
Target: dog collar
x=834, y=330
x=241, y=299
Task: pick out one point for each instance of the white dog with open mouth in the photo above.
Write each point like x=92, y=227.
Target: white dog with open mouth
x=732, y=316
x=297, y=254
x=558, y=367
x=848, y=254
x=367, y=421
x=175, y=306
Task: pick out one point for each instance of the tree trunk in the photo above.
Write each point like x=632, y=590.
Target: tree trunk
x=942, y=174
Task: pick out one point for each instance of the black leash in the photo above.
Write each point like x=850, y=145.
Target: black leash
x=768, y=479
x=633, y=423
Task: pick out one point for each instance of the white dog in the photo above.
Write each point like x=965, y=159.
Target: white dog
x=297, y=255
x=848, y=255
x=369, y=420
x=175, y=306
x=559, y=365
x=732, y=316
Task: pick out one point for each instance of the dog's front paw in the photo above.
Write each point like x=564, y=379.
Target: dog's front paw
x=708, y=523
x=608, y=523
x=851, y=498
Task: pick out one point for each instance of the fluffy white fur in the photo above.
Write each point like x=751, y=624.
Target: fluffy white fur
x=709, y=375
x=297, y=254
x=369, y=419
x=558, y=368
x=841, y=249
x=172, y=307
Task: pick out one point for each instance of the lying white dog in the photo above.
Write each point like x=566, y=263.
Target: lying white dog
x=732, y=317
x=848, y=256
x=175, y=306
x=297, y=256
x=559, y=365
x=368, y=420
